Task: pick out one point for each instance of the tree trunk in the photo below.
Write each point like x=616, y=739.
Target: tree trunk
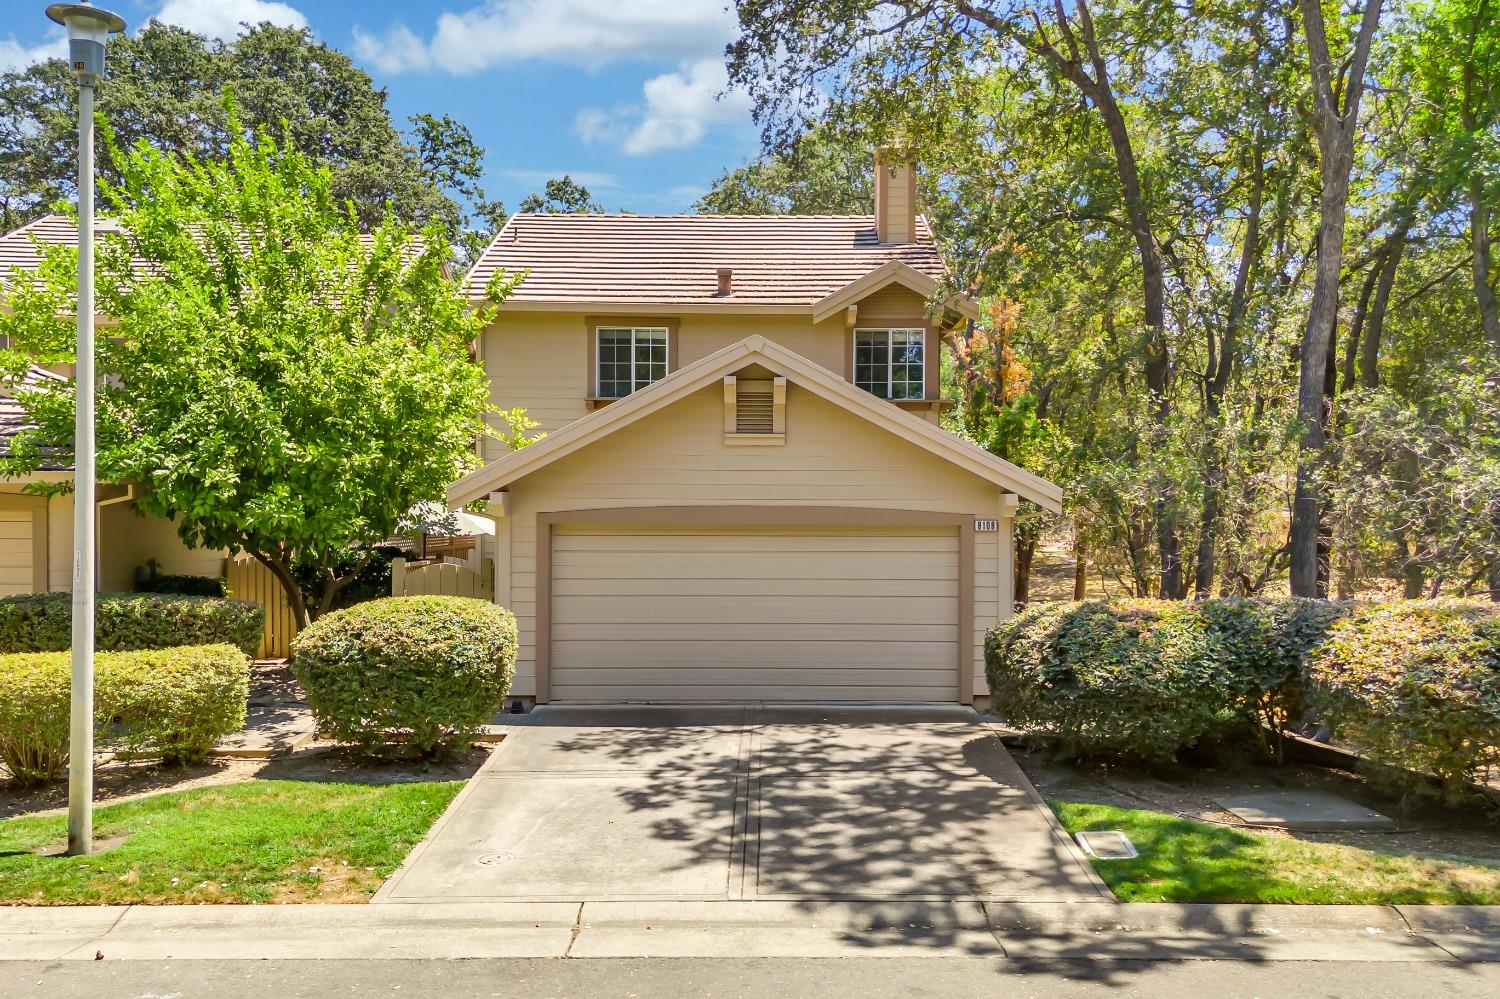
x=280, y=567
x=1026, y=541
x=1369, y=351
x=1336, y=123
x=1080, y=571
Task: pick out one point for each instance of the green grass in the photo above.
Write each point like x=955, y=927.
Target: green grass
x=253, y=842
x=1186, y=861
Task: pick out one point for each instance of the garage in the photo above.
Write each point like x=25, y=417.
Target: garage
x=783, y=613
x=23, y=540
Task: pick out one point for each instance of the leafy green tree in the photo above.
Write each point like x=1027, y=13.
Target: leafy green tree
x=819, y=176
x=563, y=196
x=284, y=382
x=164, y=89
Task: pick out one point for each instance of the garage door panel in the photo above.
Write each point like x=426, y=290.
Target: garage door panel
x=16, y=552
x=748, y=632
x=769, y=654
x=722, y=564
x=764, y=614
x=941, y=589
x=709, y=608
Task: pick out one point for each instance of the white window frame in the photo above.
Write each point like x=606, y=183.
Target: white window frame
x=921, y=335
x=599, y=331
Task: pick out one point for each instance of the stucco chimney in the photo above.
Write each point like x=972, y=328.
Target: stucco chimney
x=726, y=281
x=895, y=196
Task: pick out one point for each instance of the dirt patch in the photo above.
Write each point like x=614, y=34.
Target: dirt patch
x=1195, y=793
x=117, y=781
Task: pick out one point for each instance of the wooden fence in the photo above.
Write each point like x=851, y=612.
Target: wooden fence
x=442, y=577
x=249, y=580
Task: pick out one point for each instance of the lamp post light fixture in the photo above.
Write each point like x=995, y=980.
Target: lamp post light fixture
x=88, y=29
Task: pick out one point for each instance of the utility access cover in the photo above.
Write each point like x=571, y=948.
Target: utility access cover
x=1107, y=844
x=1304, y=810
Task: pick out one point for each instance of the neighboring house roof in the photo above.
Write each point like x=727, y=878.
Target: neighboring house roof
x=13, y=419
x=19, y=252
x=797, y=369
x=786, y=263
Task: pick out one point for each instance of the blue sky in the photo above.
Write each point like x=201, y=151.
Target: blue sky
x=618, y=93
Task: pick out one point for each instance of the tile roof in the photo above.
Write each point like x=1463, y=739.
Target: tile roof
x=779, y=261
x=13, y=420
x=17, y=251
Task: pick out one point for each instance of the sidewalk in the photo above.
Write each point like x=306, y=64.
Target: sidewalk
x=765, y=929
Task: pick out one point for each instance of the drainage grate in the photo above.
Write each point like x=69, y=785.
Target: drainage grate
x=1107, y=844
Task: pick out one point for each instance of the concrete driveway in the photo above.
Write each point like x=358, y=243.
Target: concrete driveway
x=747, y=802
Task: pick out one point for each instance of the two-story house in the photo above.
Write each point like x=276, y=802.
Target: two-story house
x=743, y=492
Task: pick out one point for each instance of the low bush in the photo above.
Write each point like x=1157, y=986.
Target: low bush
x=34, y=693
x=42, y=622
x=195, y=586
x=1146, y=680
x=175, y=703
x=1416, y=686
x=421, y=673
x=1140, y=680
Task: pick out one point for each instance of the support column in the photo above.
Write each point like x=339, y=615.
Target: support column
x=500, y=512
x=1007, y=560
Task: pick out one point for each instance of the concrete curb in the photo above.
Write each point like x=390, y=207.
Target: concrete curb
x=1023, y=931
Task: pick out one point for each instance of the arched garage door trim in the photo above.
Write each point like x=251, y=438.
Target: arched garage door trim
x=756, y=516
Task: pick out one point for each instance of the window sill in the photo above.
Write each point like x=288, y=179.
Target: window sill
x=753, y=440
x=921, y=404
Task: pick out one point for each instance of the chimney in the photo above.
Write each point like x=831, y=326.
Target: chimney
x=726, y=281
x=895, y=196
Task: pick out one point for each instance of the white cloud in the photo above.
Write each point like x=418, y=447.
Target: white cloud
x=678, y=109
x=15, y=56
x=222, y=18
x=578, y=32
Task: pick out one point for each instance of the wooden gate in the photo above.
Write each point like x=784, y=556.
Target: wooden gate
x=442, y=578
x=249, y=580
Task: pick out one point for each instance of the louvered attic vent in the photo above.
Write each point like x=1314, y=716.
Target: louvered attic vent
x=754, y=410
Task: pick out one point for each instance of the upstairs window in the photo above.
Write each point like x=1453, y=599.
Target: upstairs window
x=629, y=358
x=890, y=363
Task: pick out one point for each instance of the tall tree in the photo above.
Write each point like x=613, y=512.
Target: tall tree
x=1337, y=87
x=820, y=175
x=561, y=196
x=281, y=381
x=164, y=89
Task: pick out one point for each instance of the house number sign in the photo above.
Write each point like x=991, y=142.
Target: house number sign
x=986, y=525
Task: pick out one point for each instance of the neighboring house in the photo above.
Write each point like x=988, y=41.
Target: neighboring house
x=743, y=492
x=36, y=533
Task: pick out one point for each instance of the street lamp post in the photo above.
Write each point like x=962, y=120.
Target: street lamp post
x=88, y=29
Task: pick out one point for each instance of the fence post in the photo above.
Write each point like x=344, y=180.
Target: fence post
x=398, y=577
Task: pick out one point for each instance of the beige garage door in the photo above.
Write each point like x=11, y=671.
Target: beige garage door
x=16, y=550
x=745, y=614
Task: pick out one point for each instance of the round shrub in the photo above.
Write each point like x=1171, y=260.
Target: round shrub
x=1416, y=686
x=42, y=622
x=34, y=692
x=416, y=672
x=175, y=703
x=1140, y=680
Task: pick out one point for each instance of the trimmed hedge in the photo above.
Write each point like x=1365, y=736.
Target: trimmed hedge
x=196, y=586
x=175, y=703
x=1145, y=680
x=422, y=673
x=42, y=622
x=1141, y=680
x=1416, y=686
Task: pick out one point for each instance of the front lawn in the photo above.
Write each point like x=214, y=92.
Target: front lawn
x=259, y=841
x=1186, y=861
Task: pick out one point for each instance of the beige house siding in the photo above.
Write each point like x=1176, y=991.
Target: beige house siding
x=540, y=360
x=125, y=539
x=677, y=457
